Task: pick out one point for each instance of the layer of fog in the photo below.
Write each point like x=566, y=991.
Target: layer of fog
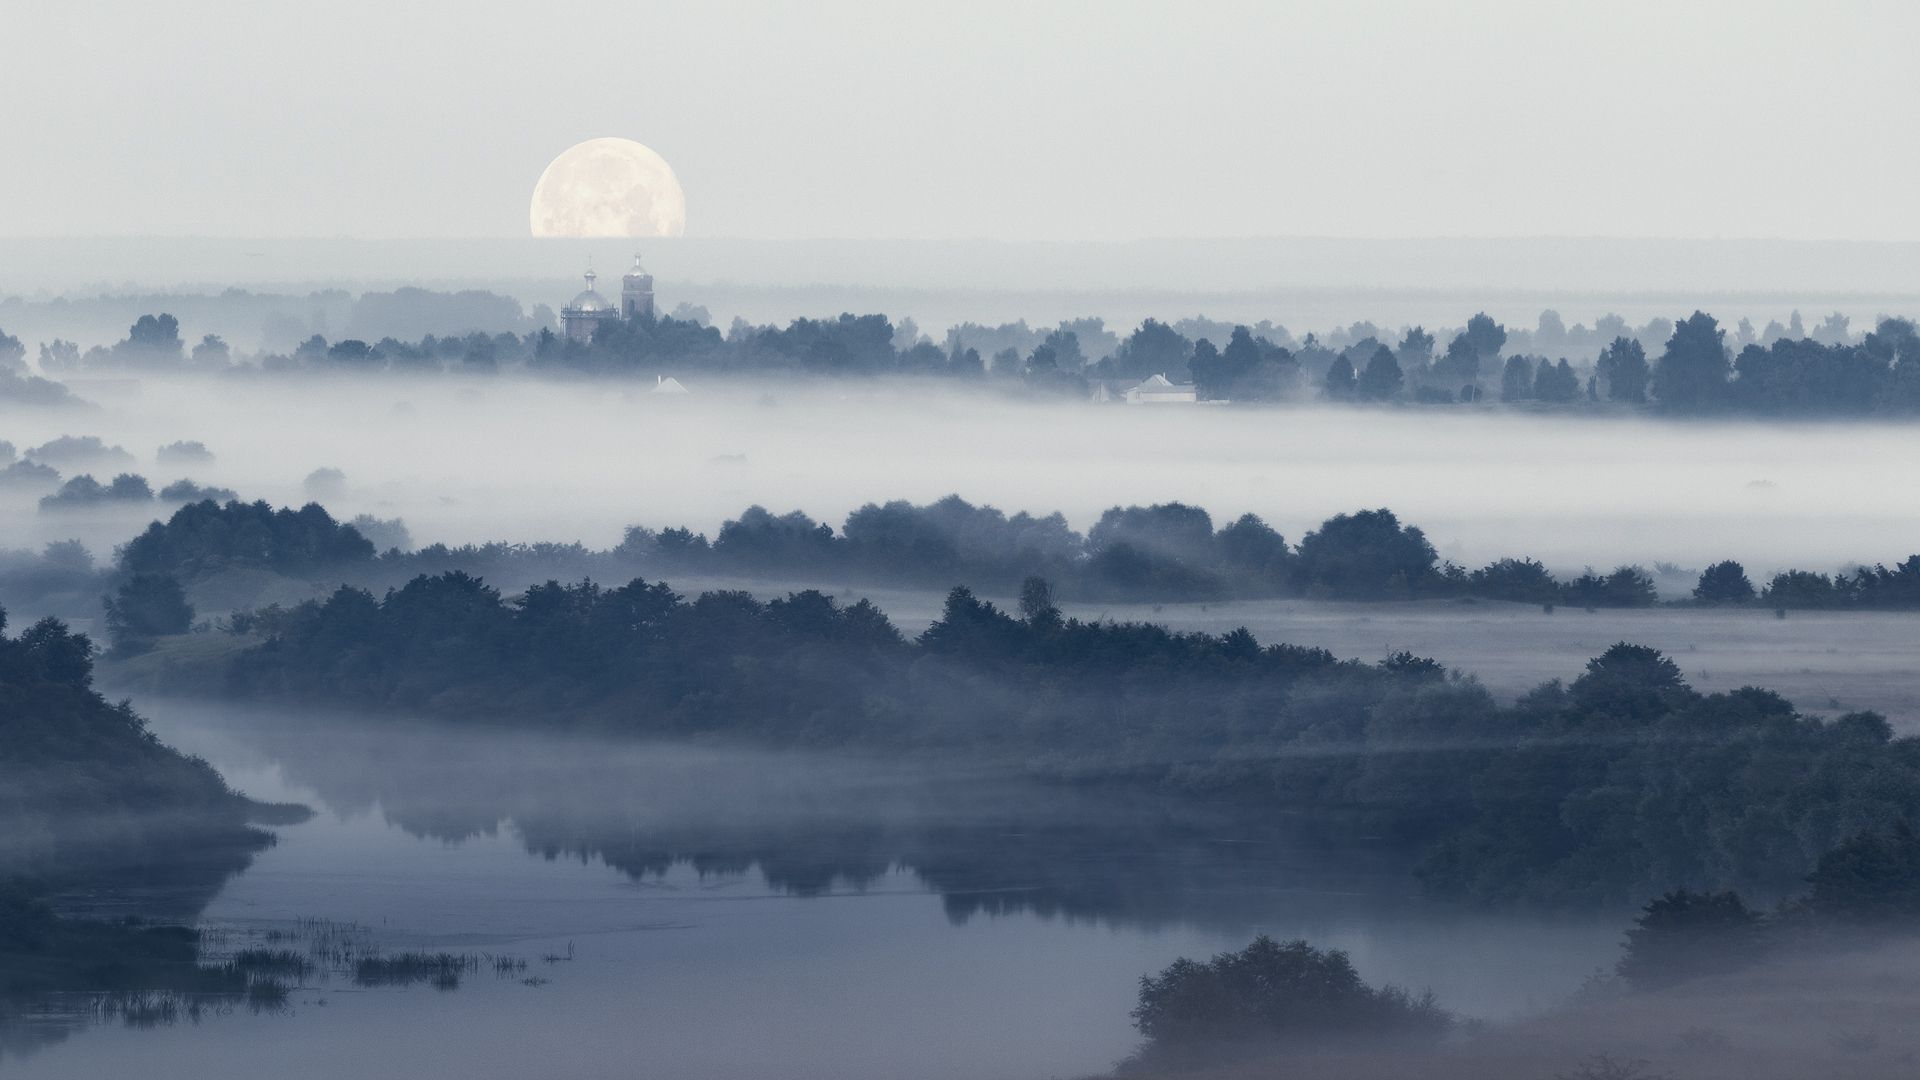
x=470, y=461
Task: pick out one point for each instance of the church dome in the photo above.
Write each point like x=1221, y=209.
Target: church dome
x=590, y=301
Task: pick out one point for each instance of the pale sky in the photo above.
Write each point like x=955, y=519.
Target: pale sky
x=1027, y=120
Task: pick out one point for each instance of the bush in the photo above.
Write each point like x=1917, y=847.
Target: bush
x=1272, y=991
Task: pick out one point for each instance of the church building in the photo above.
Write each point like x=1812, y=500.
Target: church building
x=583, y=316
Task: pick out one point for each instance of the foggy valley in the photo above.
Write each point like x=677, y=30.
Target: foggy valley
x=967, y=542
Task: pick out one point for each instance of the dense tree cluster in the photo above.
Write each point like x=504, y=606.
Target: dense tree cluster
x=205, y=537
x=84, y=491
x=1864, y=587
x=81, y=773
x=1699, y=373
x=1161, y=552
x=1869, y=882
x=1622, y=782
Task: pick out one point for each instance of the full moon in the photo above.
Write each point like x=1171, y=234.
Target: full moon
x=608, y=187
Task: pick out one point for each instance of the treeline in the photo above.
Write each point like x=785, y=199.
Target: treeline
x=78, y=774
x=39, y=469
x=1162, y=552
x=1868, y=884
x=1685, y=368
x=1620, y=783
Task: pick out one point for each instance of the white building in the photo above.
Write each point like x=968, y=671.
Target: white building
x=667, y=384
x=1157, y=390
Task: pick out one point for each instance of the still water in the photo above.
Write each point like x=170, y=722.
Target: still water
x=716, y=913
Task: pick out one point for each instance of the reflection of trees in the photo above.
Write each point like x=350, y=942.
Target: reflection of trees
x=140, y=974
x=988, y=844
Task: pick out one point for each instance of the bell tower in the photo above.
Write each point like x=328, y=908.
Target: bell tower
x=636, y=293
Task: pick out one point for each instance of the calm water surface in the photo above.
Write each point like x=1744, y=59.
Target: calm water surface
x=737, y=914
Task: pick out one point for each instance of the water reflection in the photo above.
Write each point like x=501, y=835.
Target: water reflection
x=119, y=948
x=744, y=914
x=987, y=843
x=60, y=973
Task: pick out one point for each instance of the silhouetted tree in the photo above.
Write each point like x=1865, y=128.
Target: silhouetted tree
x=1067, y=356
x=1153, y=349
x=1516, y=381
x=1632, y=682
x=13, y=355
x=1802, y=589
x=152, y=339
x=1365, y=555
x=145, y=607
x=1691, y=376
x=1382, y=378
x=212, y=353
x=1036, y=603
x=1416, y=352
x=1724, y=583
x=1623, y=367
x=1341, y=384
x=1556, y=383
x=1896, y=345
x=1251, y=549
x=1521, y=580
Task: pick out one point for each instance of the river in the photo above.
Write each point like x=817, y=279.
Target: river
x=708, y=912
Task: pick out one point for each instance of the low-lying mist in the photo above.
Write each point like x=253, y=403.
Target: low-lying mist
x=539, y=460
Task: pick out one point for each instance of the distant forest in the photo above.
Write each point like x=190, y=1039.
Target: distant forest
x=1694, y=367
x=1167, y=552
x=1162, y=552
